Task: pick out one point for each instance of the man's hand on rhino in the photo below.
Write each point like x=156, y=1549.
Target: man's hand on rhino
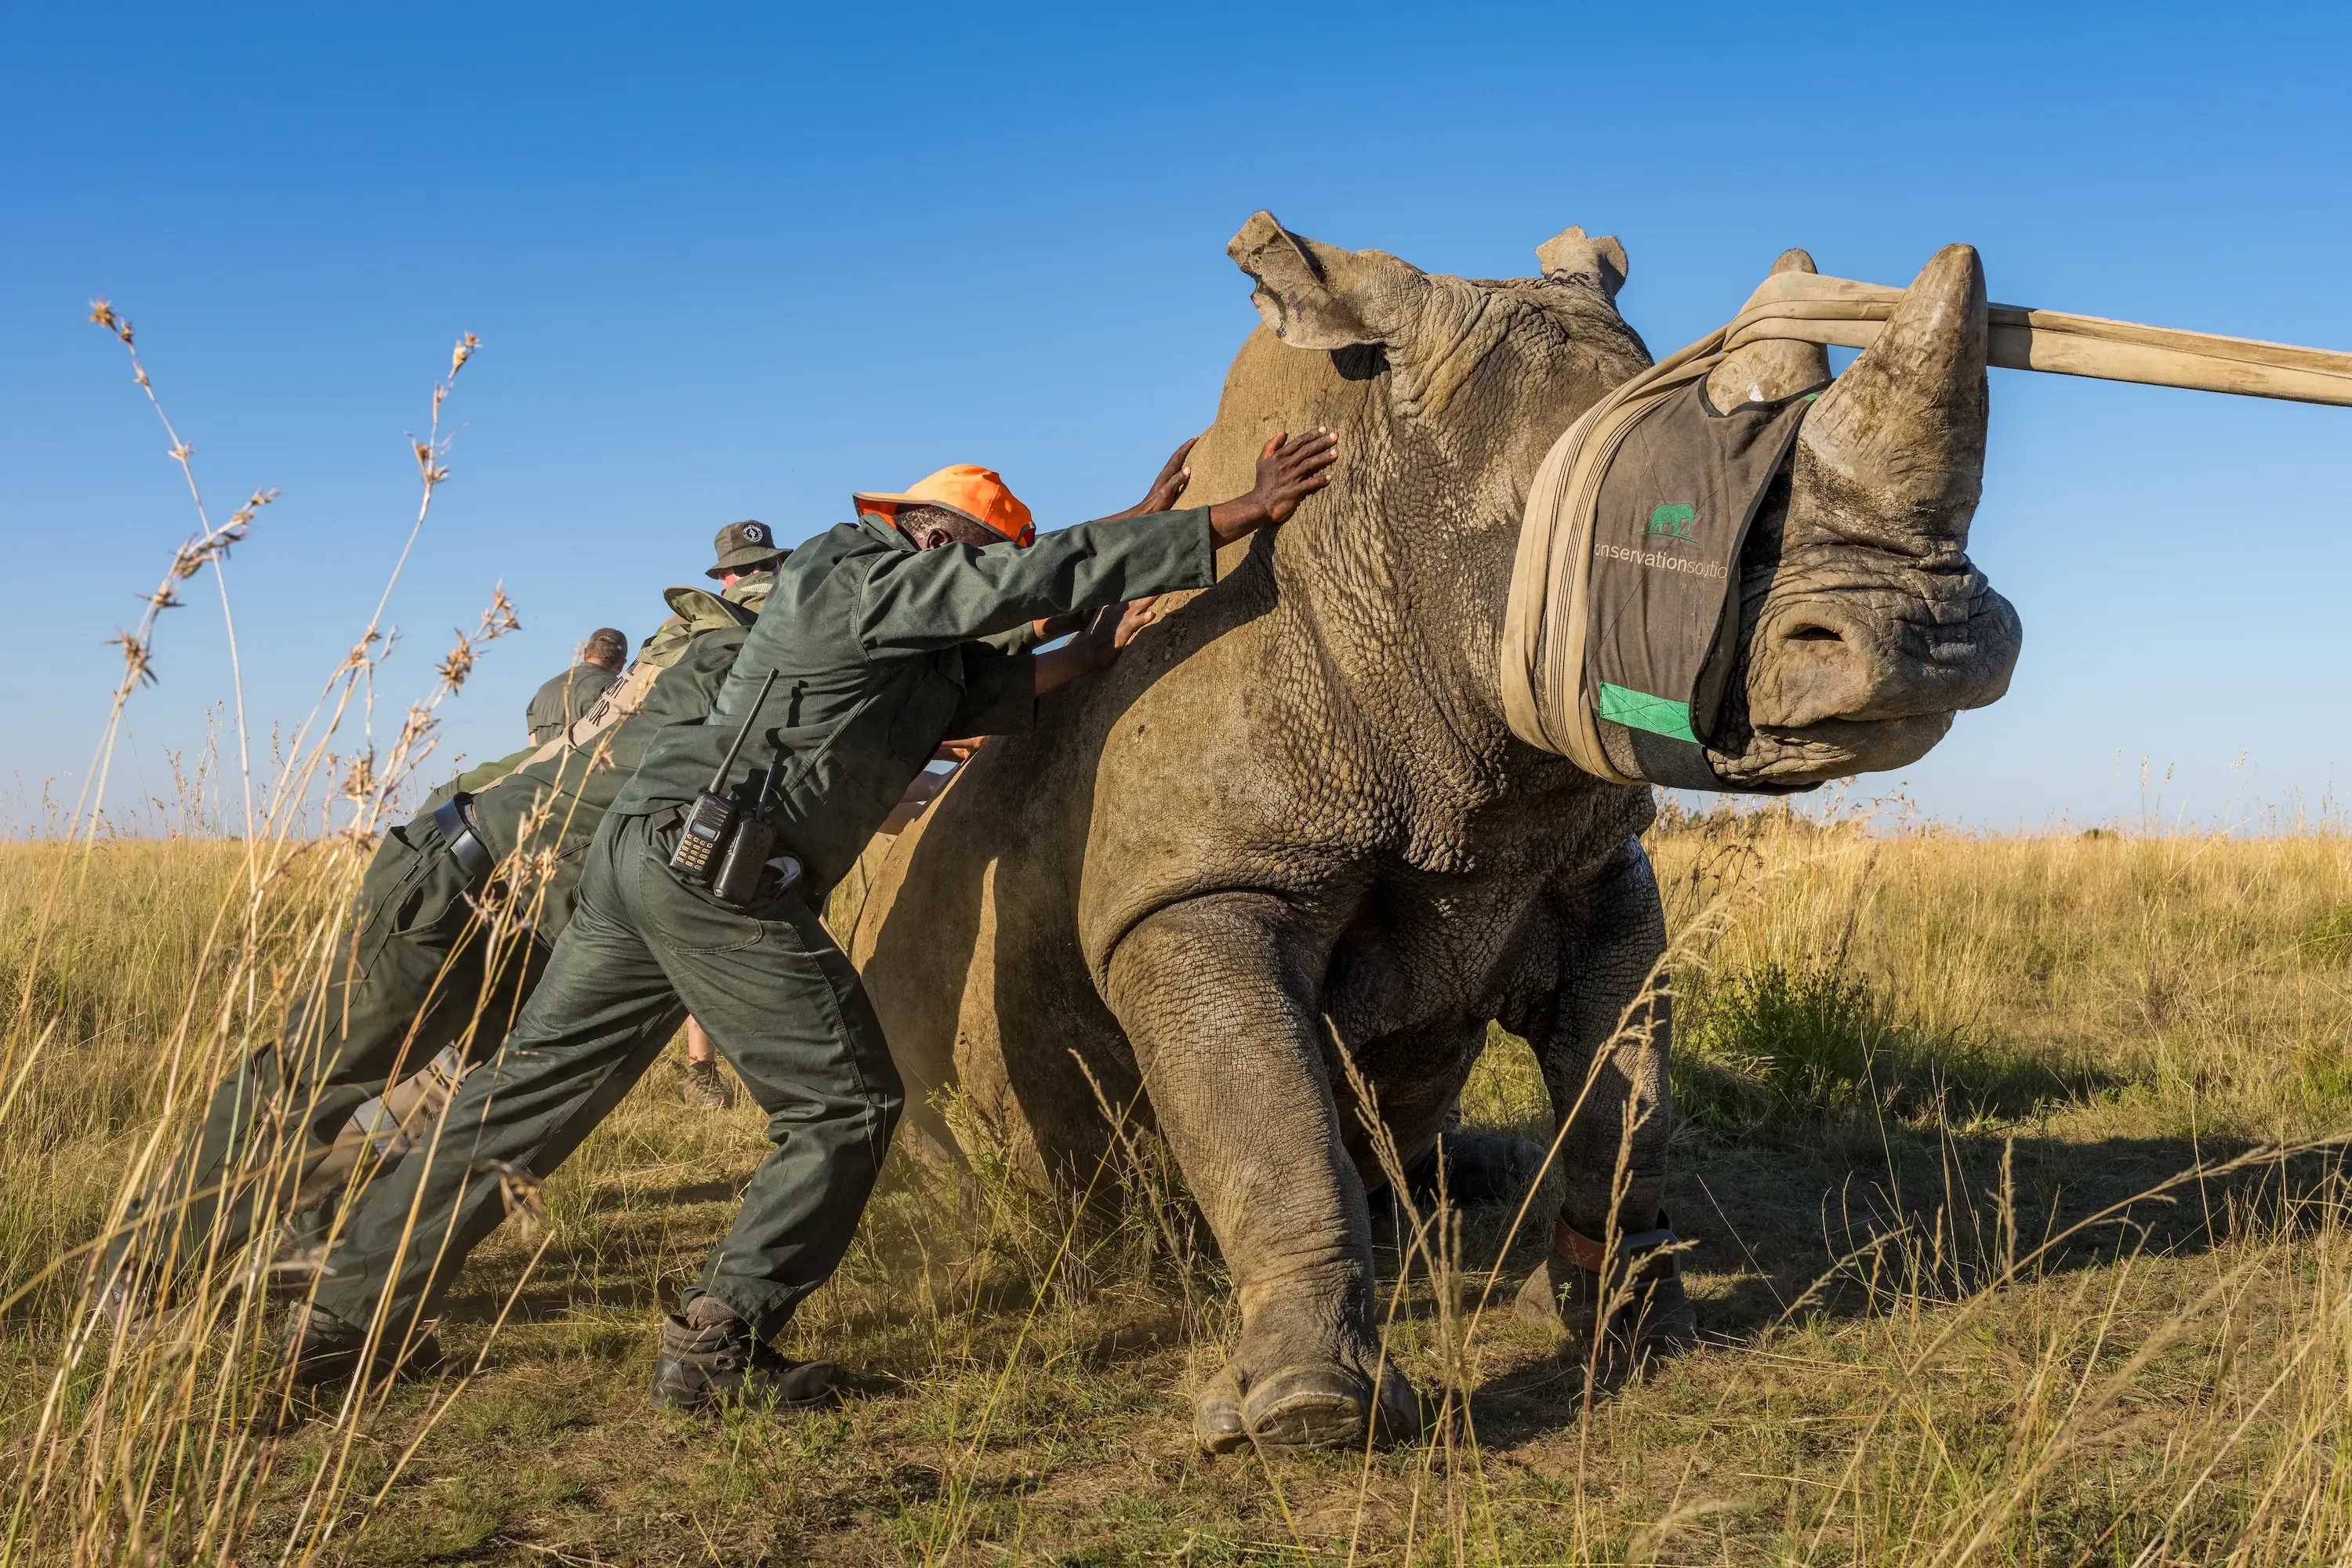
x=1288, y=471
x=1165, y=490
x=1131, y=620
x=1115, y=626
x=956, y=751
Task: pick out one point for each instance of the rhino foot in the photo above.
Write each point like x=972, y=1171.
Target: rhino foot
x=1649, y=1313
x=1303, y=1406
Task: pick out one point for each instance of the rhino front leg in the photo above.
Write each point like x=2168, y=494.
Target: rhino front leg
x=1602, y=1034
x=1219, y=996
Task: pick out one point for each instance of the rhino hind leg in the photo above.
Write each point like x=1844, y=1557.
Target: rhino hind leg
x=1602, y=1036
x=1218, y=997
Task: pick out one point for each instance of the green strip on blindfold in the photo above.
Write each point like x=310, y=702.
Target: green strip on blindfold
x=1640, y=711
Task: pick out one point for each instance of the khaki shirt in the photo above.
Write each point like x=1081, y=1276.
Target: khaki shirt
x=566, y=698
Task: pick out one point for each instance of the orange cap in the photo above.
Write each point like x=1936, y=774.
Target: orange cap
x=965, y=489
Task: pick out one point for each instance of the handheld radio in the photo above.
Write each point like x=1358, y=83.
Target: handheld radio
x=745, y=860
x=712, y=814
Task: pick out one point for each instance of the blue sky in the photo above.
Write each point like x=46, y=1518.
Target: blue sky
x=733, y=263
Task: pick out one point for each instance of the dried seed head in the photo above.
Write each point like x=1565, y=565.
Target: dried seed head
x=138, y=669
x=244, y=514
x=459, y=664
x=518, y=1192
x=499, y=618
x=103, y=314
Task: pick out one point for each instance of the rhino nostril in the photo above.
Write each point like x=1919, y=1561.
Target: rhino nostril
x=1814, y=634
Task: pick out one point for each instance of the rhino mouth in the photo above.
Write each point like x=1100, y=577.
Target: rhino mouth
x=1833, y=749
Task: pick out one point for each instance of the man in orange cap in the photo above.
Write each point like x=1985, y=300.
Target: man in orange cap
x=964, y=491
x=866, y=655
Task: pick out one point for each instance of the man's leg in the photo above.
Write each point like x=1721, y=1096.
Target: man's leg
x=409, y=980
x=597, y=1018
x=783, y=1005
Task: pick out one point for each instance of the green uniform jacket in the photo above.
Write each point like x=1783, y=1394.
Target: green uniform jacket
x=565, y=698
x=558, y=801
x=876, y=648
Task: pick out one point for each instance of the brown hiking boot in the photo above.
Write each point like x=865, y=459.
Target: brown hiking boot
x=1638, y=1285
x=709, y=1354
x=704, y=1089
x=326, y=1349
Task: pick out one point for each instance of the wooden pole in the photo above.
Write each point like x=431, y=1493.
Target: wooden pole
x=1841, y=312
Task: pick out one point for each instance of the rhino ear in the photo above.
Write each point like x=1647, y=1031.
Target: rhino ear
x=1573, y=257
x=1317, y=296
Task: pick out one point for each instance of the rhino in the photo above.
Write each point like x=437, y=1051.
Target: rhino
x=1292, y=822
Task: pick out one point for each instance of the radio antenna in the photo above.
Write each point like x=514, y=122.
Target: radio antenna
x=719, y=779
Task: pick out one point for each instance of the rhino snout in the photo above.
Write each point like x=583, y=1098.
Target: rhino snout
x=1873, y=654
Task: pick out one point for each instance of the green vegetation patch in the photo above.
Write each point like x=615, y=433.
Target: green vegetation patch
x=1774, y=1049
x=2328, y=939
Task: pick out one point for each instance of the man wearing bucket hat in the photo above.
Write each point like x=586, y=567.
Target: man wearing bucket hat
x=866, y=658
x=745, y=548
x=747, y=558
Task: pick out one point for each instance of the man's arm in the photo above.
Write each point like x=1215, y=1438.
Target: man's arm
x=1000, y=690
x=919, y=794
x=933, y=598
x=937, y=598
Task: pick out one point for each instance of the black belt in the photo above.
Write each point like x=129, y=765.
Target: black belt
x=465, y=840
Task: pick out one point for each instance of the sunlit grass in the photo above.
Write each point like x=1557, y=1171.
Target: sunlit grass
x=1906, y=1065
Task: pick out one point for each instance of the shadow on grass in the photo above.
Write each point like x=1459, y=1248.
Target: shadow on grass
x=1781, y=1236
x=1829, y=1157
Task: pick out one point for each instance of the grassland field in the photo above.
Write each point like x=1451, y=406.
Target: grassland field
x=2017, y=1238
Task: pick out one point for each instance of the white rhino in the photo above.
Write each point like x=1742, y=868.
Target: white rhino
x=1293, y=821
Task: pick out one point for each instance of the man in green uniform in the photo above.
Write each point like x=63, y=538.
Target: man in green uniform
x=425, y=982
x=747, y=552
x=867, y=642
x=566, y=697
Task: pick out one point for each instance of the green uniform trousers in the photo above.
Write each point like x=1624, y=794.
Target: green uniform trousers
x=417, y=977
x=780, y=1001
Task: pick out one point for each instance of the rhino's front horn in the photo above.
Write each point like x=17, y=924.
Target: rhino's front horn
x=1898, y=444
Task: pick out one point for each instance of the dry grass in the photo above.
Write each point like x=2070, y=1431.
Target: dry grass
x=1909, y=1063
x=2019, y=1238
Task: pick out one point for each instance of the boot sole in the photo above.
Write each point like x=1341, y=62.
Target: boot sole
x=671, y=1396
x=423, y=1360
